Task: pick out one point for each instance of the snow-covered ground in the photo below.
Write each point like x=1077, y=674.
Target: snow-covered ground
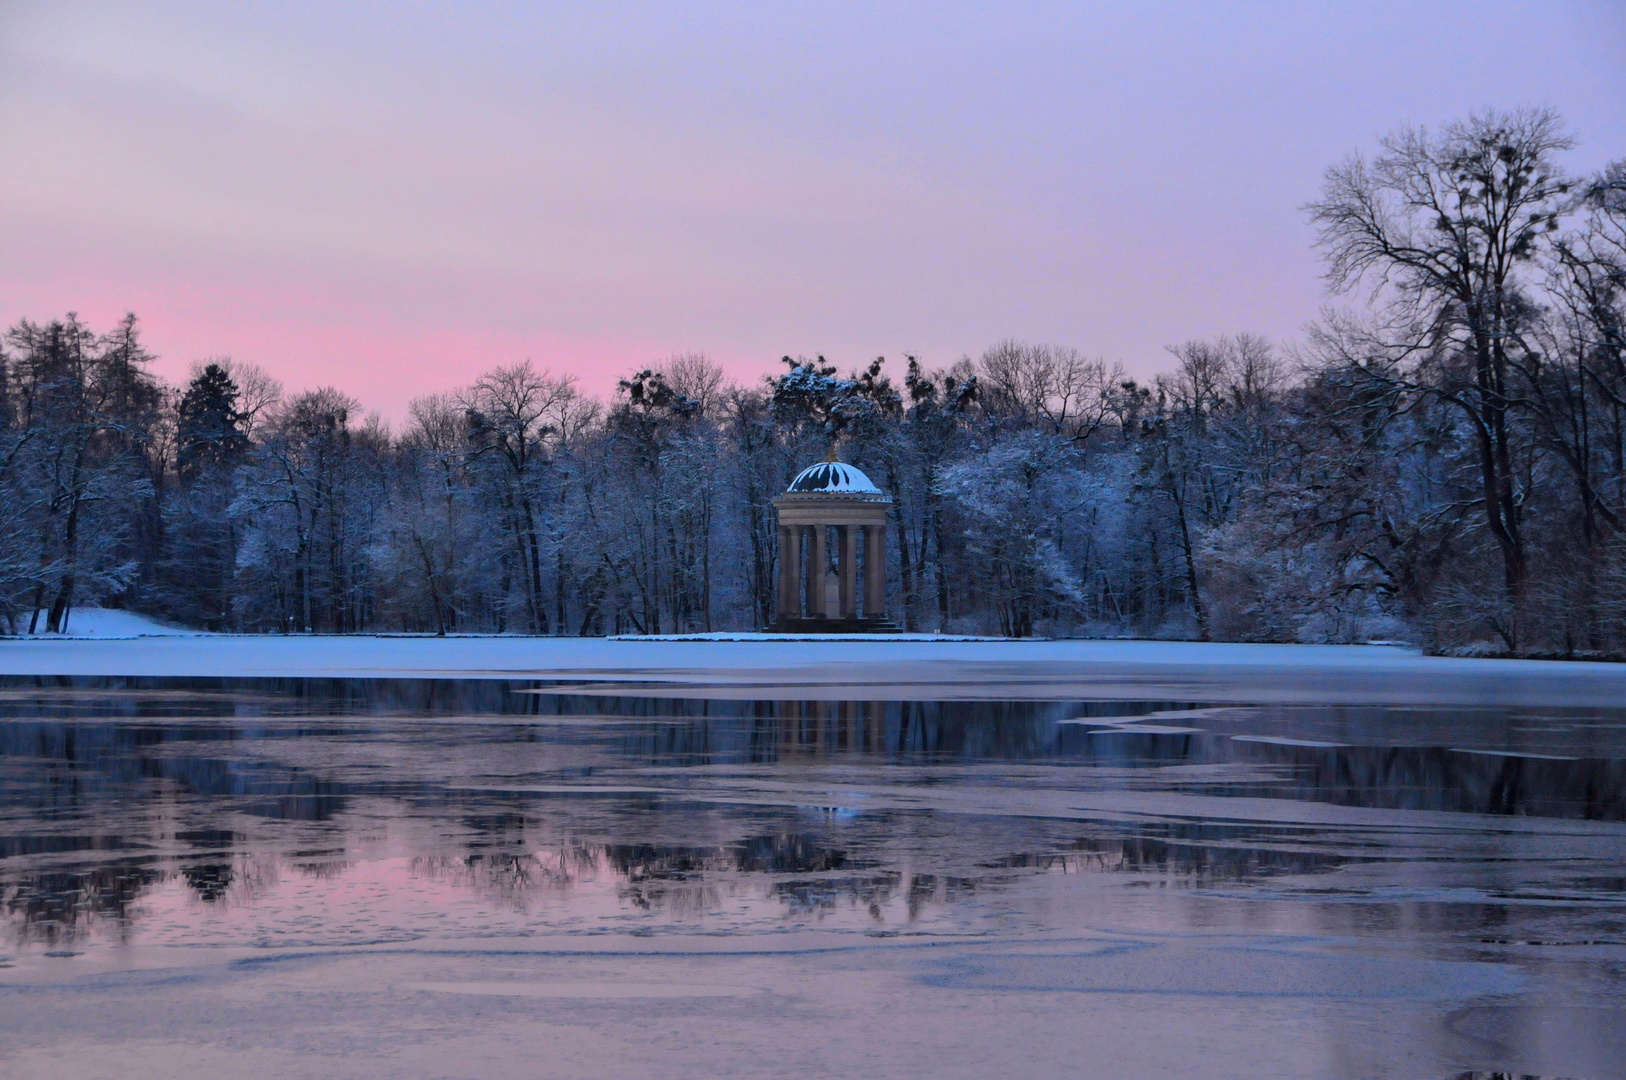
x=756, y=635
x=104, y=623
x=882, y=667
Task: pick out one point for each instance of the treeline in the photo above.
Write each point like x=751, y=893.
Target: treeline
x=1445, y=463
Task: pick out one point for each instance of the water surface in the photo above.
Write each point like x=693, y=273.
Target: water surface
x=480, y=878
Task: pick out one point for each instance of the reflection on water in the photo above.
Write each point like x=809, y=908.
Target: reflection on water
x=267, y=813
x=120, y=795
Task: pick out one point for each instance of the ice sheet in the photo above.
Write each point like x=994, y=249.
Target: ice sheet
x=876, y=668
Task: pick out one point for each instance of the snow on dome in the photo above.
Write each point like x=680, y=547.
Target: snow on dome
x=831, y=477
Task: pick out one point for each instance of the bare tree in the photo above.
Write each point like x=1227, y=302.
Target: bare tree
x=515, y=417
x=698, y=377
x=1049, y=386
x=1439, y=227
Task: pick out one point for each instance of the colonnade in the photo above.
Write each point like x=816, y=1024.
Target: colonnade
x=810, y=574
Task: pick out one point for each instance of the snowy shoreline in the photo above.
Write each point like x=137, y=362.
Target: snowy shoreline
x=843, y=667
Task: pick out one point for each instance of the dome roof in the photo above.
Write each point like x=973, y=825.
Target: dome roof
x=831, y=478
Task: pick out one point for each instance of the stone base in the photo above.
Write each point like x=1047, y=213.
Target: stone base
x=789, y=625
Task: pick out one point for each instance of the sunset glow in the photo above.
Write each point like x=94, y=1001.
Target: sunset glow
x=396, y=197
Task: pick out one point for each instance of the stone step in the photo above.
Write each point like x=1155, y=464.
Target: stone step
x=834, y=626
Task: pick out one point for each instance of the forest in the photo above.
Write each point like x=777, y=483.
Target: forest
x=1440, y=459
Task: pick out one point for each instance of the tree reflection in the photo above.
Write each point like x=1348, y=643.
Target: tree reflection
x=114, y=788
x=60, y=908
x=210, y=880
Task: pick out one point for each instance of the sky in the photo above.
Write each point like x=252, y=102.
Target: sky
x=394, y=197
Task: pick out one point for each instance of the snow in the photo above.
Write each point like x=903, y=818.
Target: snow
x=832, y=477
x=743, y=635
x=832, y=667
x=103, y=623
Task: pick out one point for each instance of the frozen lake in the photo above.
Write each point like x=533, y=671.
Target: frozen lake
x=1366, y=868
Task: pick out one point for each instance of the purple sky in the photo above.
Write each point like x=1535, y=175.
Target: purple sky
x=394, y=197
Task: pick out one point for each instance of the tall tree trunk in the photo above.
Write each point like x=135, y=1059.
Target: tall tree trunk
x=1496, y=468
x=70, y=553
x=1176, y=490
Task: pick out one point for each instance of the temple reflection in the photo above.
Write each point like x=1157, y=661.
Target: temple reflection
x=127, y=802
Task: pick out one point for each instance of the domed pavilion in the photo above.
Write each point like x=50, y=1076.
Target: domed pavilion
x=832, y=552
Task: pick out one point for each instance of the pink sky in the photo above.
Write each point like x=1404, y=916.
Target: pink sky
x=394, y=197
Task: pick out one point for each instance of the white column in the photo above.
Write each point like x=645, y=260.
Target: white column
x=788, y=599
x=874, y=571
x=849, y=571
x=818, y=578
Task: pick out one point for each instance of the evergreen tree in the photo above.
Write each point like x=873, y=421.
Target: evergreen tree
x=209, y=424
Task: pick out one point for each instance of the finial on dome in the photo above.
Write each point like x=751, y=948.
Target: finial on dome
x=831, y=456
